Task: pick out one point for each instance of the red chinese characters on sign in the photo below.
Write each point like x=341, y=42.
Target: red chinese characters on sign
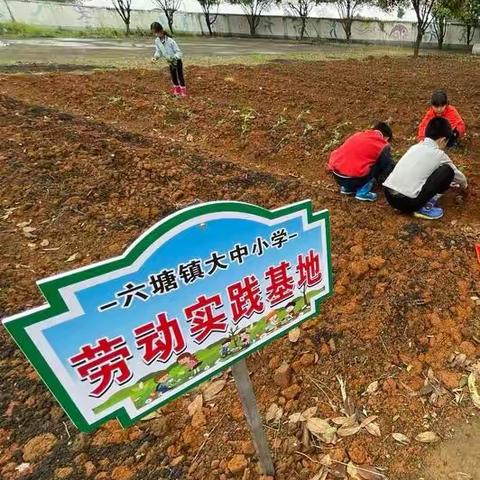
x=281, y=284
x=160, y=339
x=309, y=269
x=103, y=363
x=204, y=319
x=245, y=298
x=106, y=361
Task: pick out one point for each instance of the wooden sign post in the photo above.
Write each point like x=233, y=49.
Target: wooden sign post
x=254, y=420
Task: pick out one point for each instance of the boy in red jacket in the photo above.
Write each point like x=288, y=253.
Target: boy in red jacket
x=441, y=108
x=361, y=160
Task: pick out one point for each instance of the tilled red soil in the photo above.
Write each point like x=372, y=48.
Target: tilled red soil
x=93, y=160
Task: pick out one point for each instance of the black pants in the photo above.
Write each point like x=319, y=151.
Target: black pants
x=438, y=182
x=380, y=171
x=176, y=71
x=453, y=139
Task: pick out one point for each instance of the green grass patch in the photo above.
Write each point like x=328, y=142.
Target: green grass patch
x=25, y=30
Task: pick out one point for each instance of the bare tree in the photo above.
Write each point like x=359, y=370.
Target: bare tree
x=210, y=12
x=440, y=15
x=348, y=10
x=423, y=11
x=124, y=9
x=9, y=10
x=301, y=9
x=253, y=10
x=169, y=8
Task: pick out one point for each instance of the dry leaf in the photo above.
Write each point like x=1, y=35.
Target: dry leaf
x=195, y=405
x=368, y=420
x=44, y=243
x=296, y=417
x=321, y=475
x=425, y=390
x=309, y=413
x=294, y=335
x=71, y=258
x=372, y=388
x=24, y=224
x=352, y=471
x=338, y=471
x=472, y=387
x=427, y=437
x=8, y=212
x=27, y=231
x=321, y=429
x=274, y=413
x=400, y=438
x=459, y=476
x=341, y=420
x=326, y=460
x=213, y=389
x=368, y=472
x=373, y=429
x=347, y=431
x=305, y=436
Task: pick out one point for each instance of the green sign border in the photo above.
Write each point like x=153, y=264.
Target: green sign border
x=56, y=305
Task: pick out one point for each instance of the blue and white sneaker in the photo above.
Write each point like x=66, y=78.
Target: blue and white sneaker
x=345, y=191
x=366, y=197
x=429, y=212
x=364, y=193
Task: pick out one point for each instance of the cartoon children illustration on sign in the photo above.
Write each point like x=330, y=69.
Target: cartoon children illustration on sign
x=290, y=309
x=225, y=350
x=190, y=361
x=245, y=339
x=271, y=320
x=162, y=384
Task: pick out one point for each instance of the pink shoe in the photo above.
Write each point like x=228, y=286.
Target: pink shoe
x=176, y=91
x=183, y=91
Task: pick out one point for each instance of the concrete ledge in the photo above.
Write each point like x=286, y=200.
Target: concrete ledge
x=476, y=49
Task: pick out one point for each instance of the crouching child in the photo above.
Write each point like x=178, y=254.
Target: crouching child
x=424, y=173
x=441, y=108
x=361, y=161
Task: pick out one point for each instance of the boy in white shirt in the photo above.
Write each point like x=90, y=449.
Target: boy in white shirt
x=424, y=173
x=166, y=47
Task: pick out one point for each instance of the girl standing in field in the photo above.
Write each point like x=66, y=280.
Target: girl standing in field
x=166, y=47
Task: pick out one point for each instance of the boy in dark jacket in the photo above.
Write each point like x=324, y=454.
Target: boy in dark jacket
x=361, y=160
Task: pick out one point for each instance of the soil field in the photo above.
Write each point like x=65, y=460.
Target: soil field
x=90, y=161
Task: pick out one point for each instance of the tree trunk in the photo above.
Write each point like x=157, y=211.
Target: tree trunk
x=304, y=27
x=170, y=21
x=9, y=10
x=127, y=27
x=347, y=27
x=418, y=41
x=470, y=34
x=209, y=23
x=252, y=22
x=348, y=30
